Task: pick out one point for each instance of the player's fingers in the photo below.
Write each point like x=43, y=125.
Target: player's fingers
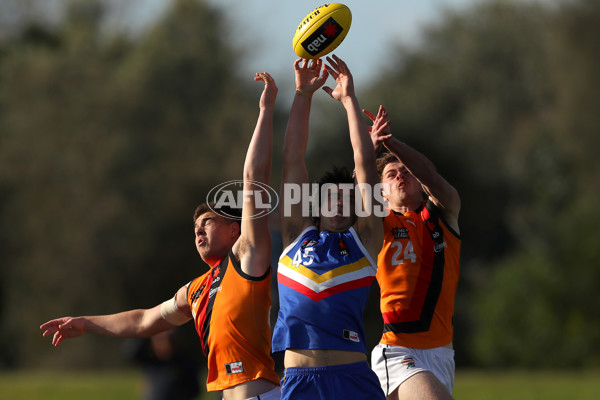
x=48, y=332
x=386, y=124
x=381, y=123
x=384, y=130
x=56, y=339
x=333, y=63
x=271, y=80
x=50, y=325
x=266, y=77
x=369, y=114
x=332, y=71
x=341, y=64
x=66, y=325
x=316, y=64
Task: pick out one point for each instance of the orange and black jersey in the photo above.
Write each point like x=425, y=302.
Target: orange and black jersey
x=418, y=269
x=231, y=314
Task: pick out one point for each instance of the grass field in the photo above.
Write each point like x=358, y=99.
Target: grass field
x=582, y=385
x=470, y=385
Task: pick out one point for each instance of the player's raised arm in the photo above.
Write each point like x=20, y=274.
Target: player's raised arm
x=253, y=248
x=369, y=228
x=440, y=192
x=309, y=76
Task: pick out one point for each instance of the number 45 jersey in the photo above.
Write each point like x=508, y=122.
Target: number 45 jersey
x=324, y=280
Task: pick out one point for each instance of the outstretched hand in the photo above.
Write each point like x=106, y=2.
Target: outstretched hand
x=309, y=76
x=269, y=94
x=63, y=328
x=380, y=130
x=341, y=73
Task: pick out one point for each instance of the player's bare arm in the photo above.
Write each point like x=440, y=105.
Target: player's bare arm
x=441, y=193
x=131, y=324
x=253, y=248
x=309, y=76
x=368, y=228
x=127, y=324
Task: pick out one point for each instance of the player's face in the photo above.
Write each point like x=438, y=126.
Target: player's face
x=337, y=209
x=400, y=185
x=214, y=236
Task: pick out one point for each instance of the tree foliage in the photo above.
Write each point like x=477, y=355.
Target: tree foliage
x=108, y=144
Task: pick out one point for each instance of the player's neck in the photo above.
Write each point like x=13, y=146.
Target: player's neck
x=213, y=261
x=404, y=207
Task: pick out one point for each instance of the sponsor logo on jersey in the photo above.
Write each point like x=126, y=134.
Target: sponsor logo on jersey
x=234, y=368
x=439, y=247
x=430, y=225
x=351, y=335
x=213, y=291
x=215, y=275
x=308, y=243
x=400, y=233
x=197, y=293
x=343, y=248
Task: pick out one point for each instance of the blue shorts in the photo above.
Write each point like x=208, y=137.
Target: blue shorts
x=355, y=381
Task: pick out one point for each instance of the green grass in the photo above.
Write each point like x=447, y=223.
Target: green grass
x=470, y=385
x=515, y=385
x=88, y=385
x=114, y=385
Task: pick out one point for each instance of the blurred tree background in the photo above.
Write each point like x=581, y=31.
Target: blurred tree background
x=109, y=141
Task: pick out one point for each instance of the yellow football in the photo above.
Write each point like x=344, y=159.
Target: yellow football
x=321, y=31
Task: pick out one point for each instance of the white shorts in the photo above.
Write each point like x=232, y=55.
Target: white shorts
x=394, y=364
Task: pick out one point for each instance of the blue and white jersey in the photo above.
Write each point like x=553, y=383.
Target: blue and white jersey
x=324, y=280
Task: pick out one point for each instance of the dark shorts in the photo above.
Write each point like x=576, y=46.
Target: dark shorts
x=355, y=381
